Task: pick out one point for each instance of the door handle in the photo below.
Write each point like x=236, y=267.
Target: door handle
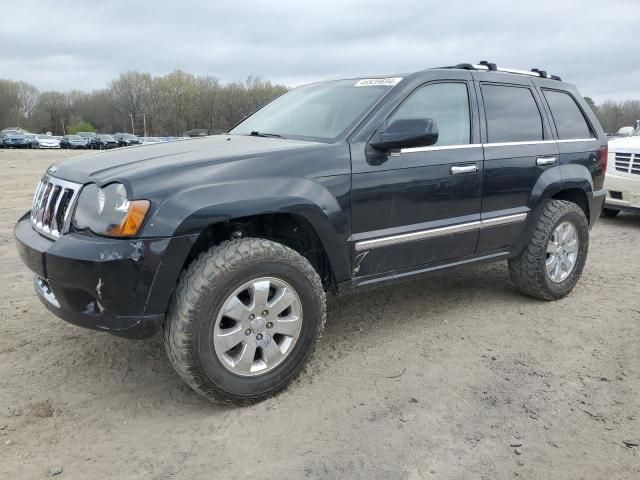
x=541, y=161
x=462, y=169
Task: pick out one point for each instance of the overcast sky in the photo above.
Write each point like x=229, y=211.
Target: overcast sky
x=67, y=45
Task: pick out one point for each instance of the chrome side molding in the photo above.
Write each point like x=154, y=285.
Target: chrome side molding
x=438, y=232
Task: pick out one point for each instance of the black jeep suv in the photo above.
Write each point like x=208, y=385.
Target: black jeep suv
x=228, y=243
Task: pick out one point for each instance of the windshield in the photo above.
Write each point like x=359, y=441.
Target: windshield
x=319, y=111
x=107, y=137
x=636, y=133
x=74, y=137
x=45, y=137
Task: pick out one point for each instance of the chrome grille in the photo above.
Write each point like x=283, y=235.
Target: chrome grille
x=628, y=162
x=52, y=205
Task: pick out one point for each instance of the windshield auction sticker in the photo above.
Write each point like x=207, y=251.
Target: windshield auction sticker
x=373, y=82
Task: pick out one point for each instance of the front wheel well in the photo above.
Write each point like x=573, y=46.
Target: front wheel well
x=577, y=196
x=290, y=230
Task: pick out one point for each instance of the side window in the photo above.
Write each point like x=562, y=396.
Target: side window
x=567, y=116
x=447, y=104
x=512, y=114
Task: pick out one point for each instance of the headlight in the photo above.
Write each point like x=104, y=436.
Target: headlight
x=108, y=211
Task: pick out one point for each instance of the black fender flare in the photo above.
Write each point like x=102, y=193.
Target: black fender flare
x=192, y=210
x=551, y=182
x=563, y=177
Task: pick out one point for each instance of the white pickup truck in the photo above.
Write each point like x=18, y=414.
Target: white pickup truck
x=622, y=181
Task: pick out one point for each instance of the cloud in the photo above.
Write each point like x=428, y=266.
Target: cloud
x=68, y=45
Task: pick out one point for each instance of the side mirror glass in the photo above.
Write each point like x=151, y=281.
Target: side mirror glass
x=406, y=133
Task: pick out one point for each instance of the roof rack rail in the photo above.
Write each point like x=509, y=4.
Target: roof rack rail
x=488, y=66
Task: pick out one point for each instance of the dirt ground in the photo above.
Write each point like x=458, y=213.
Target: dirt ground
x=453, y=377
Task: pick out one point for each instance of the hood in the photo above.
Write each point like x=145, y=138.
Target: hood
x=153, y=159
x=624, y=144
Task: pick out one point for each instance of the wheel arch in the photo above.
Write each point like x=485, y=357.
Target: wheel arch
x=290, y=229
x=318, y=207
x=577, y=196
x=566, y=182
x=572, y=183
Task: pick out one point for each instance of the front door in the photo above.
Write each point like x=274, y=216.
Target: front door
x=417, y=206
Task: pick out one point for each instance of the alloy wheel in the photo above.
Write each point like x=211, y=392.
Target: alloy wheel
x=257, y=326
x=562, y=252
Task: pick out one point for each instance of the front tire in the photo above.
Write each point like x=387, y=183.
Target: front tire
x=552, y=262
x=244, y=320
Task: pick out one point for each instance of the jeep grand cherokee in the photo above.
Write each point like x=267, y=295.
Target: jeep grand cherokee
x=227, y=244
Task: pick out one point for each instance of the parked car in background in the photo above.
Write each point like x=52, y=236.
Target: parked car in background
x=126, y=139
x=625, y=131
x=74, y=142
x=151, y=140
x=32, y=139
x=14, y=129
x=622, y=182
x=622, y=132
x=103, y=142
x=88, y=136
x=45, y=141
x=14, y=139
x=196, y=132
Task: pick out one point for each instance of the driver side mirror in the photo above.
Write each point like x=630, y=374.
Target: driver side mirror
x=406, y=133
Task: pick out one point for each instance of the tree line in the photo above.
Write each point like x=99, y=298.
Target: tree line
x=615, y=115
x=134, y=102
x=177, y=102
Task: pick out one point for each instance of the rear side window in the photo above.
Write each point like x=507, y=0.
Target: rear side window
x=567, y=116
x=447, y=104
x=512, y=114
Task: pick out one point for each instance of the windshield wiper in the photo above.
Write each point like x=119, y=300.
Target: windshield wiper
x=255, y=133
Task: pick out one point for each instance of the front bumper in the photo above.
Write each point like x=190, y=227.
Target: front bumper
x=624, y=187
x=114, y=285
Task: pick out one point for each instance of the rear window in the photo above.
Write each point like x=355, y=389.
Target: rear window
x=512, y=114
x=568, y=117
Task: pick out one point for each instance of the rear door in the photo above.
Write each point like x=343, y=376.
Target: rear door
x=518, y=149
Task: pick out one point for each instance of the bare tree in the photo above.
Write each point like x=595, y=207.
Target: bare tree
x=28, y=98
x=130, y=90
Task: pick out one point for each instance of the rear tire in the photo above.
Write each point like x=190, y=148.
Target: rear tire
x=220, y=311
x=610, y=212
x=551, y=264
